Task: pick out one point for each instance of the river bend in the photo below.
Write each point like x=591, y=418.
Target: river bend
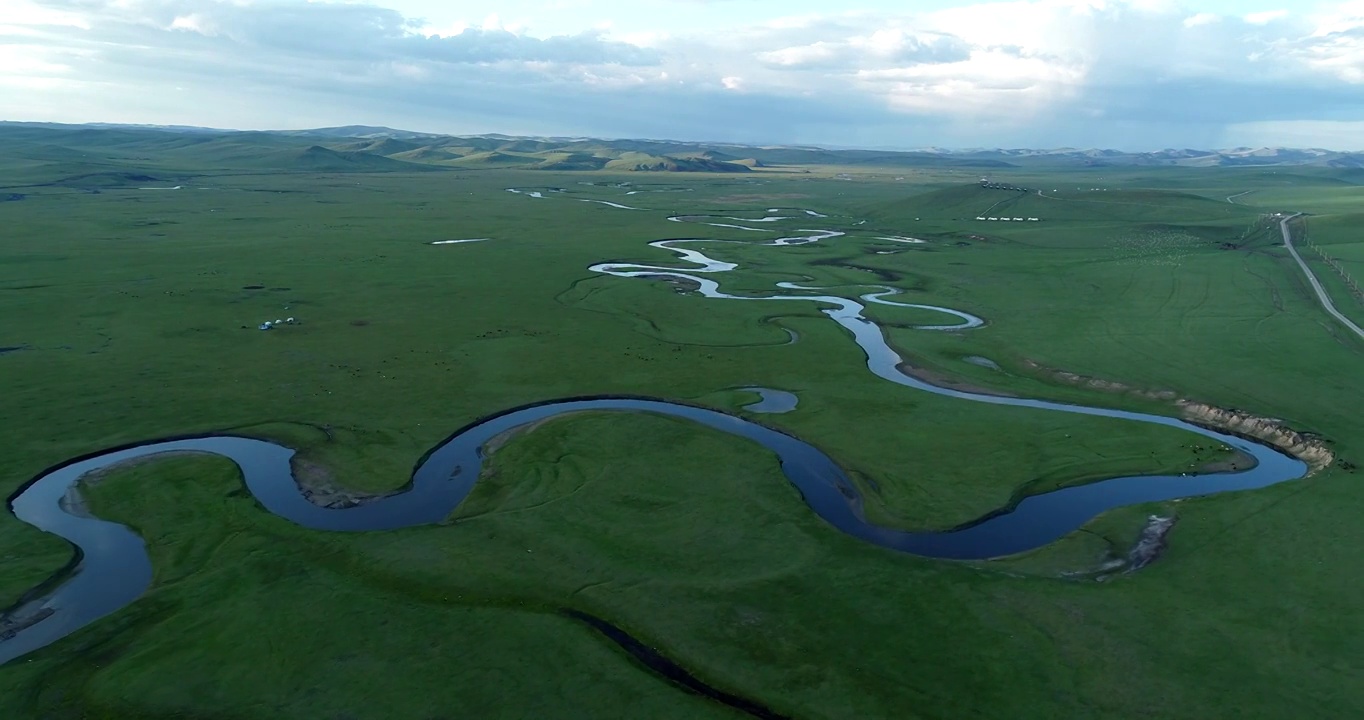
x=114, y=569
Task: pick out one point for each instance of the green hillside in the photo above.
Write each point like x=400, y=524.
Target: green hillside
x=381, y=146
x=572, y=162
x=495, y=158
x=641, y=162
x=426, y=155
x=968, y=202
x=317, y=158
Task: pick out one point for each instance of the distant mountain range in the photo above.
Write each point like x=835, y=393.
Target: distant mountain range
x=97, y=147
x=1187, y=157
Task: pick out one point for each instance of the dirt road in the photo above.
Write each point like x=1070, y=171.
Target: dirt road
x=1316, y=284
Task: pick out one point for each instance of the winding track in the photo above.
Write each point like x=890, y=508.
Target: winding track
x=1312, y=278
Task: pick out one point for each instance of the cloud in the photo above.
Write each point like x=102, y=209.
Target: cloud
x=337, y=31
x=1264, y=18
x=1344, y=135
x=1201, y=19
x=878, y=49
x=1035, y=72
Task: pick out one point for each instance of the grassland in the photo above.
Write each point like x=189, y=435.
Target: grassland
x=137, y=312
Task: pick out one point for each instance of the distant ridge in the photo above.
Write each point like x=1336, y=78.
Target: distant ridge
x=95, y=147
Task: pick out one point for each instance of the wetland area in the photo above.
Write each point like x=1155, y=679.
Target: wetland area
x=1091, y=446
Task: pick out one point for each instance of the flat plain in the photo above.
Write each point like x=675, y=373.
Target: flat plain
x=132, y=314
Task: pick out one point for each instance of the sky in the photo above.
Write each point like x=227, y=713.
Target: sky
x=1123, y=74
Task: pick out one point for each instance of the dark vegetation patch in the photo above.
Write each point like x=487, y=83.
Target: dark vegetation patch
x=886, y=275
x=97, y=180
x=680, y=284
x=675, y=673
x=30, y=258
x=253, y=287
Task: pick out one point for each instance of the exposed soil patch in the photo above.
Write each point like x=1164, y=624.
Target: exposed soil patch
x=1311, y=450
x=681, y=284
x=496, y=442
x=1237, y=462
x=881, y=274
x=75, y=503
x=22, y=617
x=1151, y=544
x=983, y=362
x=934, y=377
x=1304, y=447
x=1094, y=383
x=319, y=487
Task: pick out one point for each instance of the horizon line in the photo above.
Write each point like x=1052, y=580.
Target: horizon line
x=938, y=149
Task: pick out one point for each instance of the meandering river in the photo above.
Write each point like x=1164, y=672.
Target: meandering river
x=114, y=569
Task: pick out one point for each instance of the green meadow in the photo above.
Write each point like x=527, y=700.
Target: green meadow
x=133, y=315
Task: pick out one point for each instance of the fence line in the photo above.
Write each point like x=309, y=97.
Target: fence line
x=1340, y=269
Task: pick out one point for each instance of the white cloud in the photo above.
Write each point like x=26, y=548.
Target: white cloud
x=31, y=61
x=1045, y=67
x=26, y=12
x=1264, y=18
x=802, y=56
x=1341, y=18
x=193, y=23
x=1334, y=48
x=1339, y=134
x=1201, y=19
x=990, y=83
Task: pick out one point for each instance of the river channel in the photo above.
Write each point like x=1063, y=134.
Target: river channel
x=114, y=569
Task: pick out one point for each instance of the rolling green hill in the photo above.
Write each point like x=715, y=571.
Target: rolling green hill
x=382, y=146
x=45, y=153
x=572, y=161
x=426, y=155
x=635, y=162
x=495, y=158
x=317, y=158
x=969, y=202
